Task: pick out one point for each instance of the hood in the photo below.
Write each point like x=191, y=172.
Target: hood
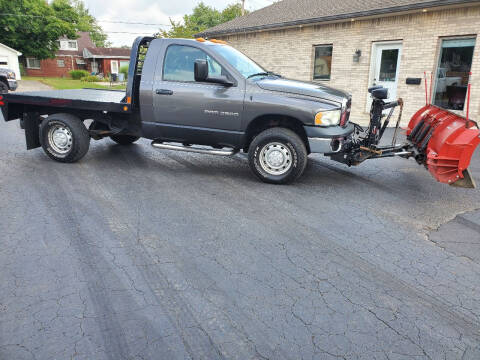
x=303, y=88
x=4, y=70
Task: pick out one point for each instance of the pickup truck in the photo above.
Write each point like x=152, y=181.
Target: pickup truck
x=193, y=95
x=8, y=80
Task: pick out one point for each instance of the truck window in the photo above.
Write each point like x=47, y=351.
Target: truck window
x=180, y=61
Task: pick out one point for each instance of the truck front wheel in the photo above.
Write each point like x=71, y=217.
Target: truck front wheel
x=3, y=87
x=64, y=138
x=277, y=156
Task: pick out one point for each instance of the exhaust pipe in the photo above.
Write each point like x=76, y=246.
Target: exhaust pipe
x=184, y=148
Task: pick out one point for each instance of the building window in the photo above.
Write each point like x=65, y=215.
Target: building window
x=67, y=44
x=454, y=64
x=322, y=65
x=61, y=63
x=33, y=63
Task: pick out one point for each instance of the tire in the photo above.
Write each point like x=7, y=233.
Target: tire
x=124, y=139
x=72, y=138
x=277, y=156
x=3, y=87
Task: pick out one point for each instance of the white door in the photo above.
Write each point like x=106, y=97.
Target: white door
x=114, y=66
x=385, y=67
x=4, y=62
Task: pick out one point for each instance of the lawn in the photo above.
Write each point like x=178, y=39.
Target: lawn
x=67, y=83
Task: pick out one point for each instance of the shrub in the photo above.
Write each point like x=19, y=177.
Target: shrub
x=22, y=70
x=90, y=78
x=78, y=74
x=124, y=70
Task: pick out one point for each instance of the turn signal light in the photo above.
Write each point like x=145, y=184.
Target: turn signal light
x=218, y=41
x=318, y=118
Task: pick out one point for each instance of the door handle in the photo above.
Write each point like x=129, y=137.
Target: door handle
x=164, y=92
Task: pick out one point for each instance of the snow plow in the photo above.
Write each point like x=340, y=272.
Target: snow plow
x=440, y=140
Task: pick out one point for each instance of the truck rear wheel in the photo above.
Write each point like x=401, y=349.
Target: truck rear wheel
x=64, y=138
x=277, y=156
x=124, y=139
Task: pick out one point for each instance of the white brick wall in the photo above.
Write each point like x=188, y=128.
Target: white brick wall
x=290, y=52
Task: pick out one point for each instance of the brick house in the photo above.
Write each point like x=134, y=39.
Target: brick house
x=79, y=54
x=352, y=45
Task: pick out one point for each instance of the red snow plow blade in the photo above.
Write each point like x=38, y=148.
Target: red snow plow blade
x=444, y=142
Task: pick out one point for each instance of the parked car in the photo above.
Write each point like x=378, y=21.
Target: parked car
x=7, y=80
x=443, y=81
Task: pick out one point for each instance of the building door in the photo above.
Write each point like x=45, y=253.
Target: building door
x=385, y=67
x=114, y=66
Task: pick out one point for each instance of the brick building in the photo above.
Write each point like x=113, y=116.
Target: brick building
x=352, y=45
x=79, y=54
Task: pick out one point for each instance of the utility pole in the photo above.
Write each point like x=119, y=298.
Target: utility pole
x=243, y=7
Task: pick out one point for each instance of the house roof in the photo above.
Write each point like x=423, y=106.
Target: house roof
x=98, y=52
x=83, y=41
x=10, y=49
x=297, y=12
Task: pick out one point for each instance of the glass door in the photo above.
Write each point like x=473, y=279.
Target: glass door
x=454, y=64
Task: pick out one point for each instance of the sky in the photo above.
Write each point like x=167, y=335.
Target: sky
x=149, y=12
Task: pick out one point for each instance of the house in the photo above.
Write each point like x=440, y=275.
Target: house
x=79, y=54
x=9, y=59
x=352, y=45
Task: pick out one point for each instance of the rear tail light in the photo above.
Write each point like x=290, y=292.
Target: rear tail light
x=1, y=101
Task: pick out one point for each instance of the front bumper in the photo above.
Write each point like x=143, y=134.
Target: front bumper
x=327, y=139
x=12, y=84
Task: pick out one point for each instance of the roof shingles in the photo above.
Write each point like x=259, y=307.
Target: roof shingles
x=296, y=12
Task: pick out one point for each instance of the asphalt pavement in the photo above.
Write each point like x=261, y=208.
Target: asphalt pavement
x=135, y=253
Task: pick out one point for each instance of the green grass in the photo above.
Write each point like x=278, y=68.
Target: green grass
x=66, y=83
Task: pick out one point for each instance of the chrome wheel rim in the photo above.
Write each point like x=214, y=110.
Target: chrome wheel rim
x=275, y=158
x=60, y=139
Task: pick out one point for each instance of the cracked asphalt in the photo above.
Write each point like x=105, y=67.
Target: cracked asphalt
x=135, y=253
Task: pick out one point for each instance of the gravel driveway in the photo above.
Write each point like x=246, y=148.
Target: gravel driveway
x=31, y=85
x=134, y=253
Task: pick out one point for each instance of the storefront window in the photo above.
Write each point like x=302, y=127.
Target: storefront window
x=323, y=62
x=453, y=71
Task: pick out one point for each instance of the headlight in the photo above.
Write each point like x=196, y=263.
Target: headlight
x=11, y=75
x=328, y=118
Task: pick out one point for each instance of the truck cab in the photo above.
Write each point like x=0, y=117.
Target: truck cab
x=233, y=99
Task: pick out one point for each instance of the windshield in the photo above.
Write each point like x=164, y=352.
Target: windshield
x=239, y=61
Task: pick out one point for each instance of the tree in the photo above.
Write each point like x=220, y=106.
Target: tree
x=33, y=26
x=202, y=18
x=88, y=23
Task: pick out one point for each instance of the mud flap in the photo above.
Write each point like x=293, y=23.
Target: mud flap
x=444, y=143
x=31, y=122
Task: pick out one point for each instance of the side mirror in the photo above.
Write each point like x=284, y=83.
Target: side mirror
x=201, y=70
x=201, y=74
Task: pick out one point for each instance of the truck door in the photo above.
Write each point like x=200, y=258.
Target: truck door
x=188, y=110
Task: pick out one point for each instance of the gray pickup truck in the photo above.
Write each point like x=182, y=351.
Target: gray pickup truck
x=8, y=80
x=193, y=95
